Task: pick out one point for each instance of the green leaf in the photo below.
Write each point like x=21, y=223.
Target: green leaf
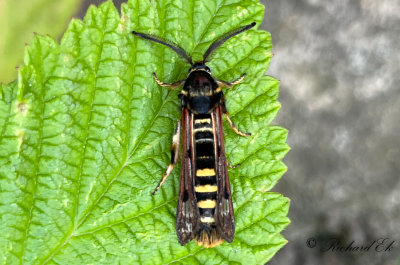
x=86, y=132
x=18, y=19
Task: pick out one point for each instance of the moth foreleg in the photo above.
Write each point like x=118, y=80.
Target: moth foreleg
x=174, y=155
x=170, y=85
x=230, y=84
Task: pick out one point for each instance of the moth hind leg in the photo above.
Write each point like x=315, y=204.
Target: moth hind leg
x=174, y=155
x=233, y=126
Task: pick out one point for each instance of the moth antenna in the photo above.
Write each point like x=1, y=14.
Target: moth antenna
x=179, y=50
x=218, y=42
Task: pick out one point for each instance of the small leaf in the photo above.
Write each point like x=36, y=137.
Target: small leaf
x=85, y=137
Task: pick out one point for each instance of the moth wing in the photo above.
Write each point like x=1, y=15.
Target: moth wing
x=187, y=217
x=224, y=215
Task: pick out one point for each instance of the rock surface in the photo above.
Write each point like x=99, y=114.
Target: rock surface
x=339, y=66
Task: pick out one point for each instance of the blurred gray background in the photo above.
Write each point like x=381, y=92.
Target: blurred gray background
x=338, y=62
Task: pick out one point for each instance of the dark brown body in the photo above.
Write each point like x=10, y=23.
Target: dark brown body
x=205, y=210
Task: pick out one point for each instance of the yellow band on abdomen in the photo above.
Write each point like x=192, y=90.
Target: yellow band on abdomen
x=205, y=172
x=207, y=204
x=206, y=188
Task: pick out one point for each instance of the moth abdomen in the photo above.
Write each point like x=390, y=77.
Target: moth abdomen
x=205, y=188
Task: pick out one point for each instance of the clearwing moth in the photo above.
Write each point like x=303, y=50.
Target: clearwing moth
x=205, y=209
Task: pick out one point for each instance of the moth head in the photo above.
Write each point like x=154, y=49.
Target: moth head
x=199, y=66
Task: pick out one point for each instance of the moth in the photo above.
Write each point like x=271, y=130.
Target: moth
x=205, y=209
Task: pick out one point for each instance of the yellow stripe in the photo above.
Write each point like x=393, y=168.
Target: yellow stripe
x=205, y=157
x=207, y=204
x=196, y=94
x=207, y=219
x=205, y=172
x=202, y=121
x=203, y=130
x=204, y=140
x=205, y=188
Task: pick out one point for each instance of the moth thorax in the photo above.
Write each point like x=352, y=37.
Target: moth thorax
x=200, y=87
x=201, y=104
